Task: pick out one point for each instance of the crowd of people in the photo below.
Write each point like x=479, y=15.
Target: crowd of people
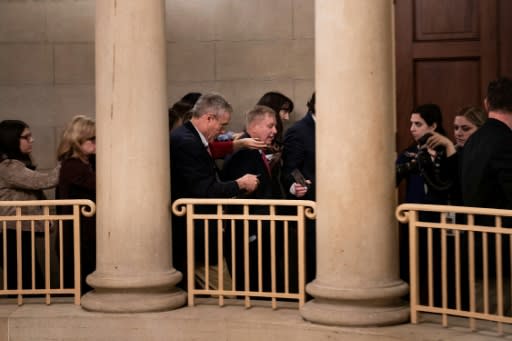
x=258, y=164
x=475, y=170
x=262, y=162
x=195, y=123
x=73, y=178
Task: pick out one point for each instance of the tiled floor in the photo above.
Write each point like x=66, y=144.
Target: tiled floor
x=64, y=321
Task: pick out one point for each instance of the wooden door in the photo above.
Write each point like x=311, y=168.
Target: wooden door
x=446, y=53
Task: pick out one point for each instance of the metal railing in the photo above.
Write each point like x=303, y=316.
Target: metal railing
x=460, y=262
x=53, y=223
x=265, y=241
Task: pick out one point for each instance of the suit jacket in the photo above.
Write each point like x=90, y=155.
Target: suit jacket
x=194, y=175
x=486, y=174
x=299, y=152
x=249, y=161
x=193, y=171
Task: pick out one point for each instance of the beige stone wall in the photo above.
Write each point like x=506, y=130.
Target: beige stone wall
x=240, y=48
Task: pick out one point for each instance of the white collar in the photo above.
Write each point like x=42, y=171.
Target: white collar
x=203, y=139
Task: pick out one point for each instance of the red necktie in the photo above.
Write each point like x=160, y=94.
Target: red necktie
x=265, y=161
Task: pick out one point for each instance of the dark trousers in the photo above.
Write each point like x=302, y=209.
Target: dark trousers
x=26, y=262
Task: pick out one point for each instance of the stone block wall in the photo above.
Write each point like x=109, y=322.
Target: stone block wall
x=239, y=48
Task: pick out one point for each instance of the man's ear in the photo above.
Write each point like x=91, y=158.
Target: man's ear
x=486, y=104
x=434, y=125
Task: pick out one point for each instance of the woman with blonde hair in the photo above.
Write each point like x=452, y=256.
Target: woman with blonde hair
x=466, y=122
x=77, y=180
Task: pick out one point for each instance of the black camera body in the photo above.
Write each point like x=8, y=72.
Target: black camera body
x=416, y=162
x=423, y=163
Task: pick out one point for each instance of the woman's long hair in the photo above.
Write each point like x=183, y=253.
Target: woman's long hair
x=277, y=101
x=10, y=134
x=431, y=113
x=80, y=129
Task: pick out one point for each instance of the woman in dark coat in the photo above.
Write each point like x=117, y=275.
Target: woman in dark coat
x=77, y=180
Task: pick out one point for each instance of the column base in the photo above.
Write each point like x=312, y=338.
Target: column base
x=358, y=307
x=133, y=301
x=134, y=293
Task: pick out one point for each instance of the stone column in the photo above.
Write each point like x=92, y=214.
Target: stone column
x=357, y=281
x=133, y=270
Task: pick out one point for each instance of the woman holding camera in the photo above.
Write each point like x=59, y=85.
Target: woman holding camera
x=420, y=164
x=423, y=165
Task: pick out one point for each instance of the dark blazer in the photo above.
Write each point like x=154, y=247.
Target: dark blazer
x=486, y=174
x=77, y=180
x=194, y=175
x=299, y=152
x=250, y=161
x=236, y=165
x=193, y=171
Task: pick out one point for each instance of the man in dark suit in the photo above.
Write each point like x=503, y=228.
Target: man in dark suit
x=260, y=125
x=299, y=154
x=195, y=175
x=486, y=174
x=486, y=171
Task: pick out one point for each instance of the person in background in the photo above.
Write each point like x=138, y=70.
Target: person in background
x=180, y=112
x=486, y=173
x=77, y=180
x=19, y=180
x=299, y=156
x=486, y=177
x=194, y=173
x=260, y=124
x=421, y=165
x=425, y=119
x=283, y=106
x=299, y=153
x=466, y=122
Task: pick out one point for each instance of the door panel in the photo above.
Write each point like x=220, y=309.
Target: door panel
x=446, y=53
x=451, y=84
x=446, y=20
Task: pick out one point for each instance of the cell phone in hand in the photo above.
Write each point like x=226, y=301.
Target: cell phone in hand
x=299, y=178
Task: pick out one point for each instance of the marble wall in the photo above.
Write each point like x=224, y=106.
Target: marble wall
x=236, y=47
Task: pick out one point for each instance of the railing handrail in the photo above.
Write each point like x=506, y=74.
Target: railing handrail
x=402, y=211
x=179, y=205
x=220, y=213
x=83, y=207
x=88, y=206
x=470, y=248
x=227, y=201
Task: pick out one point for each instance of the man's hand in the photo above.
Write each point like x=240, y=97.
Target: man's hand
x=248, y=182
x=298, y=190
